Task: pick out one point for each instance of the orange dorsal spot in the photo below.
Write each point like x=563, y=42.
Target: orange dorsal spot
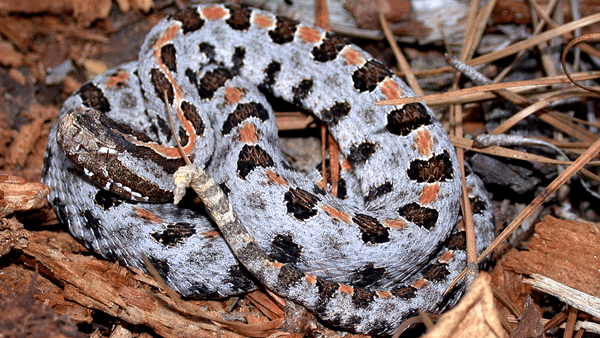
x=337, y=214
x=263, y=21
x=390, y=89
x=429, y=193
x=310, y=279
x=213, y=13
x=309, y=34
x=210, y=234
x=346, y=289
x=420, y=283
x=117, y=79
x=423, y=142
x=346, y=166
x=248, y=133
x=233, y=94
x=147, y=215
x=446, y=257
x=383, y=294
x=166, y=37
x=394, y=223
x=273, y=177
x=353, y=57
x=275, y=264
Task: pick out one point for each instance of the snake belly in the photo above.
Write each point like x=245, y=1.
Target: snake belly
x=388, y=235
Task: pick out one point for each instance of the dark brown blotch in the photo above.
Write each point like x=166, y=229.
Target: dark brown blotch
x=191, y=114
x=212, y=81
x=162, y=85
x=242, y=112
x=335, y=113
x=457, y=241
x=373, y=232
x=252, y=157
x=378, y=191
x=168, y=56
x=370, y=75
x=360, y=153
x=437, y=168
x=190, y=20
x=287, y=278
x=436, y=272
x=404, y=292
x=362, y=298
x=271, y=72
x=239, y=17
x=92, y=97
x=285, y=250
x=301, y=91
x=329, y=48
x=410, y=117
x=301, y=203
x=284, y=30
x=421, y=216
x=367, y=275
x=174, y=234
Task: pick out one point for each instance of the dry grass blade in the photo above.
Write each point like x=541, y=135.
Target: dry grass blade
x=590, y=153
x=402, y=63
x=436, y=99
x=521, y=45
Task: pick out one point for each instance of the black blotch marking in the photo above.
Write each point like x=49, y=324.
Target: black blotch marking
x=242, y=112
x=329, y=48
x=61, y=210
x=404, y=292
x=327, y=290
x=367, y=275
x=421, y=216
x=190, y=20
x=410, y=117
x=208, y=50
x=478, y=205
x=162, y=85
x=438, y=168
x=457, y=241
x=360, y=153
x=301, y=90
x=380, y=327
x=225, y=188
x=161, y=127
x=239, y=279
x=301, y=203
x=92, y=97
x=212, y=81
x=183, y=136
x=174, y=234
x=252, y=157
x=201, y=291
x=319, y=190
x=372, y=231
x=237, y=59
x=161, y=265
x=92, y=223
x=191, y=114
x=436, y=272
x=370, y=75
x=287, y=278
x=124, y=129
x=378, y=191
x=239, y=17
x=285, y=30
x=362, y=298
x=285, y=250
x=168, y=55
x=106, y=200
x=335, y=113
x=271, y=72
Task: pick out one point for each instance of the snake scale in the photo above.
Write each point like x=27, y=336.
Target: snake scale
x=364, y=260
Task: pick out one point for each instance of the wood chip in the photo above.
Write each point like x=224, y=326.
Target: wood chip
x=565, y=251
x=18, y=195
